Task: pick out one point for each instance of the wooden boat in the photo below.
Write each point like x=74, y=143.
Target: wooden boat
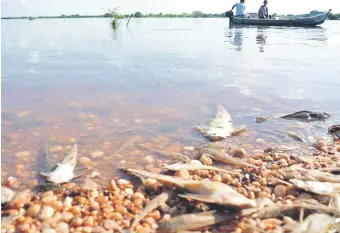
x=306, y=20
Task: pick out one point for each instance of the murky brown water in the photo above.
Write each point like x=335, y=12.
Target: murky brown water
x=77, y=80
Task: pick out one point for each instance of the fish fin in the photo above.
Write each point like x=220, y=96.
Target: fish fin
x=239, y=129
x=221, y=111
x=197, y=197
x=72, y=155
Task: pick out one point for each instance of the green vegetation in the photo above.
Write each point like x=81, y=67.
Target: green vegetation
x=113, y=14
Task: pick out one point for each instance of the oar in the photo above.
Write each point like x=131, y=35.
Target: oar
x=129, y=20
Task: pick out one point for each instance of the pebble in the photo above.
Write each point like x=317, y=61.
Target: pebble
x=62, y=228
x=239, y=152
x=129, y=191
x=48, y=199
x=305, y=196
x=122, y=182
x=88, y=221
x=110, y=224
x=112, y=186
x=48, y=230
x=23, y=154
x=217, y=178
x=183, y=174
x=98, y=229
x=46, y=213
x=85, y=161
x=148, y=159
x=138, y=195
x=97, y=154
x=68, y=202
x=67, y=217
x=56, y=149
x=280, y=190
x=76, y=222
x=33, y=210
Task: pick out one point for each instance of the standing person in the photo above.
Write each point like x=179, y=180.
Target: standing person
x=263, y=11
x=240, y=8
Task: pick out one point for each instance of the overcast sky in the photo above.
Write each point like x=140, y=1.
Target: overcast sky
x=58, y=7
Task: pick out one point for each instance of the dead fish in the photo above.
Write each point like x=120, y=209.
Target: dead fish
x=223, y=157
x=170, y=155
x=276, y=210
x=315, y=223
x=204, y=190
x=308, y=116
x=220, y=127
x=7, y=194
x=334, y=131
x=295, y=136
x=191, y=221
x=64, y=171
x=308, y=175
x=128, y=143
x=151, y=205
x=192, y=167
x=323, y=188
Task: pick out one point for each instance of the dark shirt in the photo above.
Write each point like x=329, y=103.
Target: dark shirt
x=263, y=12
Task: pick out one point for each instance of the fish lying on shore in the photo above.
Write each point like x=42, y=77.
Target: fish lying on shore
x=307, y=175
x=220, y=127
x=322, y=188
x=64, y=171
x=301, y=115
x=315, y=223
x=308, y=116
x=204, y=190
x=197, y=166
x=194, y=221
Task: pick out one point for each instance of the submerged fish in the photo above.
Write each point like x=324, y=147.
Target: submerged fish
x=191, y=221
x=204, y=190
x=7, y=194
x=308, y=116
x=64, y=171
x=220, y=127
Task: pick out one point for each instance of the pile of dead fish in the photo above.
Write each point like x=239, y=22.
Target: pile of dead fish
x=231, y=191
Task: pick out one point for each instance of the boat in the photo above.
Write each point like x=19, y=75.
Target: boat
x=306, y=20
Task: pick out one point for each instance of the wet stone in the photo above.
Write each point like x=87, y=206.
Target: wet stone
x=97, y=154
x=46, y=213
x=56, y=149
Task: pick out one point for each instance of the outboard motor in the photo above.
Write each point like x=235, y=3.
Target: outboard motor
x=230, y=15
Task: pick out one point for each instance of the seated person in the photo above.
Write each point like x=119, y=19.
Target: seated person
x=263, y=11
x=240, y=8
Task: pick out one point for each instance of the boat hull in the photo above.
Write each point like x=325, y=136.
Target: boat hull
x=305, y=21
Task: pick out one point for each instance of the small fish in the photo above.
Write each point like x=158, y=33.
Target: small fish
x=295, y=136
x=64, y=171
x=191, y=221
x=204, y=190
x=220, y=127
x=128, y=143
x=308, y=175
x=152, y=205
x=7, y=194
x=223, y=157
x=170, y=155
x=315, y=223
x=308, y=116
x=192, y=167
x=323, y=188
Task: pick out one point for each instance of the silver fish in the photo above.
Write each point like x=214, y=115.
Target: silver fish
x=64, y=171
x=220, y=127
x=323, y=188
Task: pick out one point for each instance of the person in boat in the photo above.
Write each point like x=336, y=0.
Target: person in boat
x=240, y=9
x=263, y=11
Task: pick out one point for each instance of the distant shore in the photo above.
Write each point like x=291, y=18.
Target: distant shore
x=194, y=14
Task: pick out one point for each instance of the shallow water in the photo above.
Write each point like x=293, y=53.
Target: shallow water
x=77, y=79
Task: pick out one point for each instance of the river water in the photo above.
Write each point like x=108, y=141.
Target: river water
x=67, y=80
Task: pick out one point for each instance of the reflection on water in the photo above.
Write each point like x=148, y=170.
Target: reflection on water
x=156, y=79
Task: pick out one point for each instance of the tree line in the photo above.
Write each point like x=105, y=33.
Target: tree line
x=194, y=14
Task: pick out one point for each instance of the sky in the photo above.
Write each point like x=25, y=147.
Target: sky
x=67, y=7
